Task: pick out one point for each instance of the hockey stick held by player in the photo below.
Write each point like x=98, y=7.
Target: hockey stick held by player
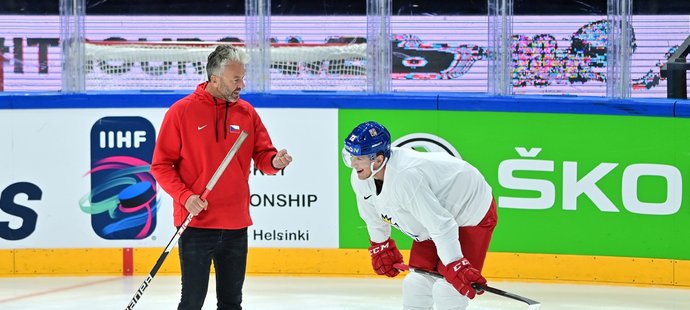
x=442, y=202
x=479, y=288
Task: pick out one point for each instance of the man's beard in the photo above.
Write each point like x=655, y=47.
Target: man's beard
x=230, y=95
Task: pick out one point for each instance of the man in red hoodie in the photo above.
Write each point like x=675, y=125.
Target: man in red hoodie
x=196, y=134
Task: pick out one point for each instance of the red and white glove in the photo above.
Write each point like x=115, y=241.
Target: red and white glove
x=462, y=275
x=383, y=256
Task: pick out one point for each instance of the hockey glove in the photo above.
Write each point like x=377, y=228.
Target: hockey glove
x=462, y=275
x=383, y=256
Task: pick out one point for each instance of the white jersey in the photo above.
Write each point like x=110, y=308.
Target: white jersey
x=426, y=195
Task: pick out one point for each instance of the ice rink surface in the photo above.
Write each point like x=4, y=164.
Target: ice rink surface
x=299, y=293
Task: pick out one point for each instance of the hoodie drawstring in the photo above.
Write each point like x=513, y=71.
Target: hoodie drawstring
x=225, y=122
x=215, y=127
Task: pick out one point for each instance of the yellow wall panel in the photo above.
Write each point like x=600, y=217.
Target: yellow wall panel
x=68, y=261
x=145, y=259
x=310, y=261
x=6, y=262
x=579, y=268
x=682, y=272
x=349, y=262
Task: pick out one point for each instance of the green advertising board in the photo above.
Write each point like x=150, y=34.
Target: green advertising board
x=564, y=183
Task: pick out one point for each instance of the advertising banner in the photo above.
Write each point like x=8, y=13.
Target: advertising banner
x=80, y=178
x=564, y=184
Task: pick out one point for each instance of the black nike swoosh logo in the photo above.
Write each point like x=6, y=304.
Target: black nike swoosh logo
x=366, y=197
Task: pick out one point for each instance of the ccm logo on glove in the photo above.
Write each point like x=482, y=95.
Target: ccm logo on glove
x=461, y=264
x=378, y=249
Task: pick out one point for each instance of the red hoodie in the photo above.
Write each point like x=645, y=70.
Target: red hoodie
x=196, y=134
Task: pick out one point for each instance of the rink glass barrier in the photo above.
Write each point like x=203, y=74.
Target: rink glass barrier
x=565, y=54
x=579, y=181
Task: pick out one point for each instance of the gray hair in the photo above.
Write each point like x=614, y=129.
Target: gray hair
x=221, y=56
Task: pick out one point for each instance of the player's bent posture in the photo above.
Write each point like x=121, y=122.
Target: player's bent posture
x=440, y=201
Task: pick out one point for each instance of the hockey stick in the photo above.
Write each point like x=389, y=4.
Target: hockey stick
x=533, y=304
x=171, y=244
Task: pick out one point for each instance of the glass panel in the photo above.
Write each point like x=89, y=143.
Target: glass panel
x=149, y=45
x=30, y=46
x=500, y=55
x=318, y=45
x=559, y=47
x=660, y=27
x=439, y=46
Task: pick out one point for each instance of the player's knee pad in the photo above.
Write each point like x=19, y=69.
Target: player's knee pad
x=446, y=297
x=417, y=293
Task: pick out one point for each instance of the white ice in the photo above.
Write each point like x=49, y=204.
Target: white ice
x=293, y=293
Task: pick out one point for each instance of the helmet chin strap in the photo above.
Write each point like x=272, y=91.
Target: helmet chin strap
x=374, y=172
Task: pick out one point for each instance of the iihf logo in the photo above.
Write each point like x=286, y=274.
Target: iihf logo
x=123, y=200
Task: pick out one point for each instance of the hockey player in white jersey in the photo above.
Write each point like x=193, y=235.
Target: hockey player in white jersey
x=440, y=201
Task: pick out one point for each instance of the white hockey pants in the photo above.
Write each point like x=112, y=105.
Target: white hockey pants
x=422, y=292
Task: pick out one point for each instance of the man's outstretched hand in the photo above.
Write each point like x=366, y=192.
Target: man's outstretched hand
x=282, y=159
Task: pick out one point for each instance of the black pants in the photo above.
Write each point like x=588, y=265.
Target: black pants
x=228, y=251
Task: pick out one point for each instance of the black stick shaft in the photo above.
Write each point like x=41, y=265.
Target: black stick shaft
x=478, y=287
